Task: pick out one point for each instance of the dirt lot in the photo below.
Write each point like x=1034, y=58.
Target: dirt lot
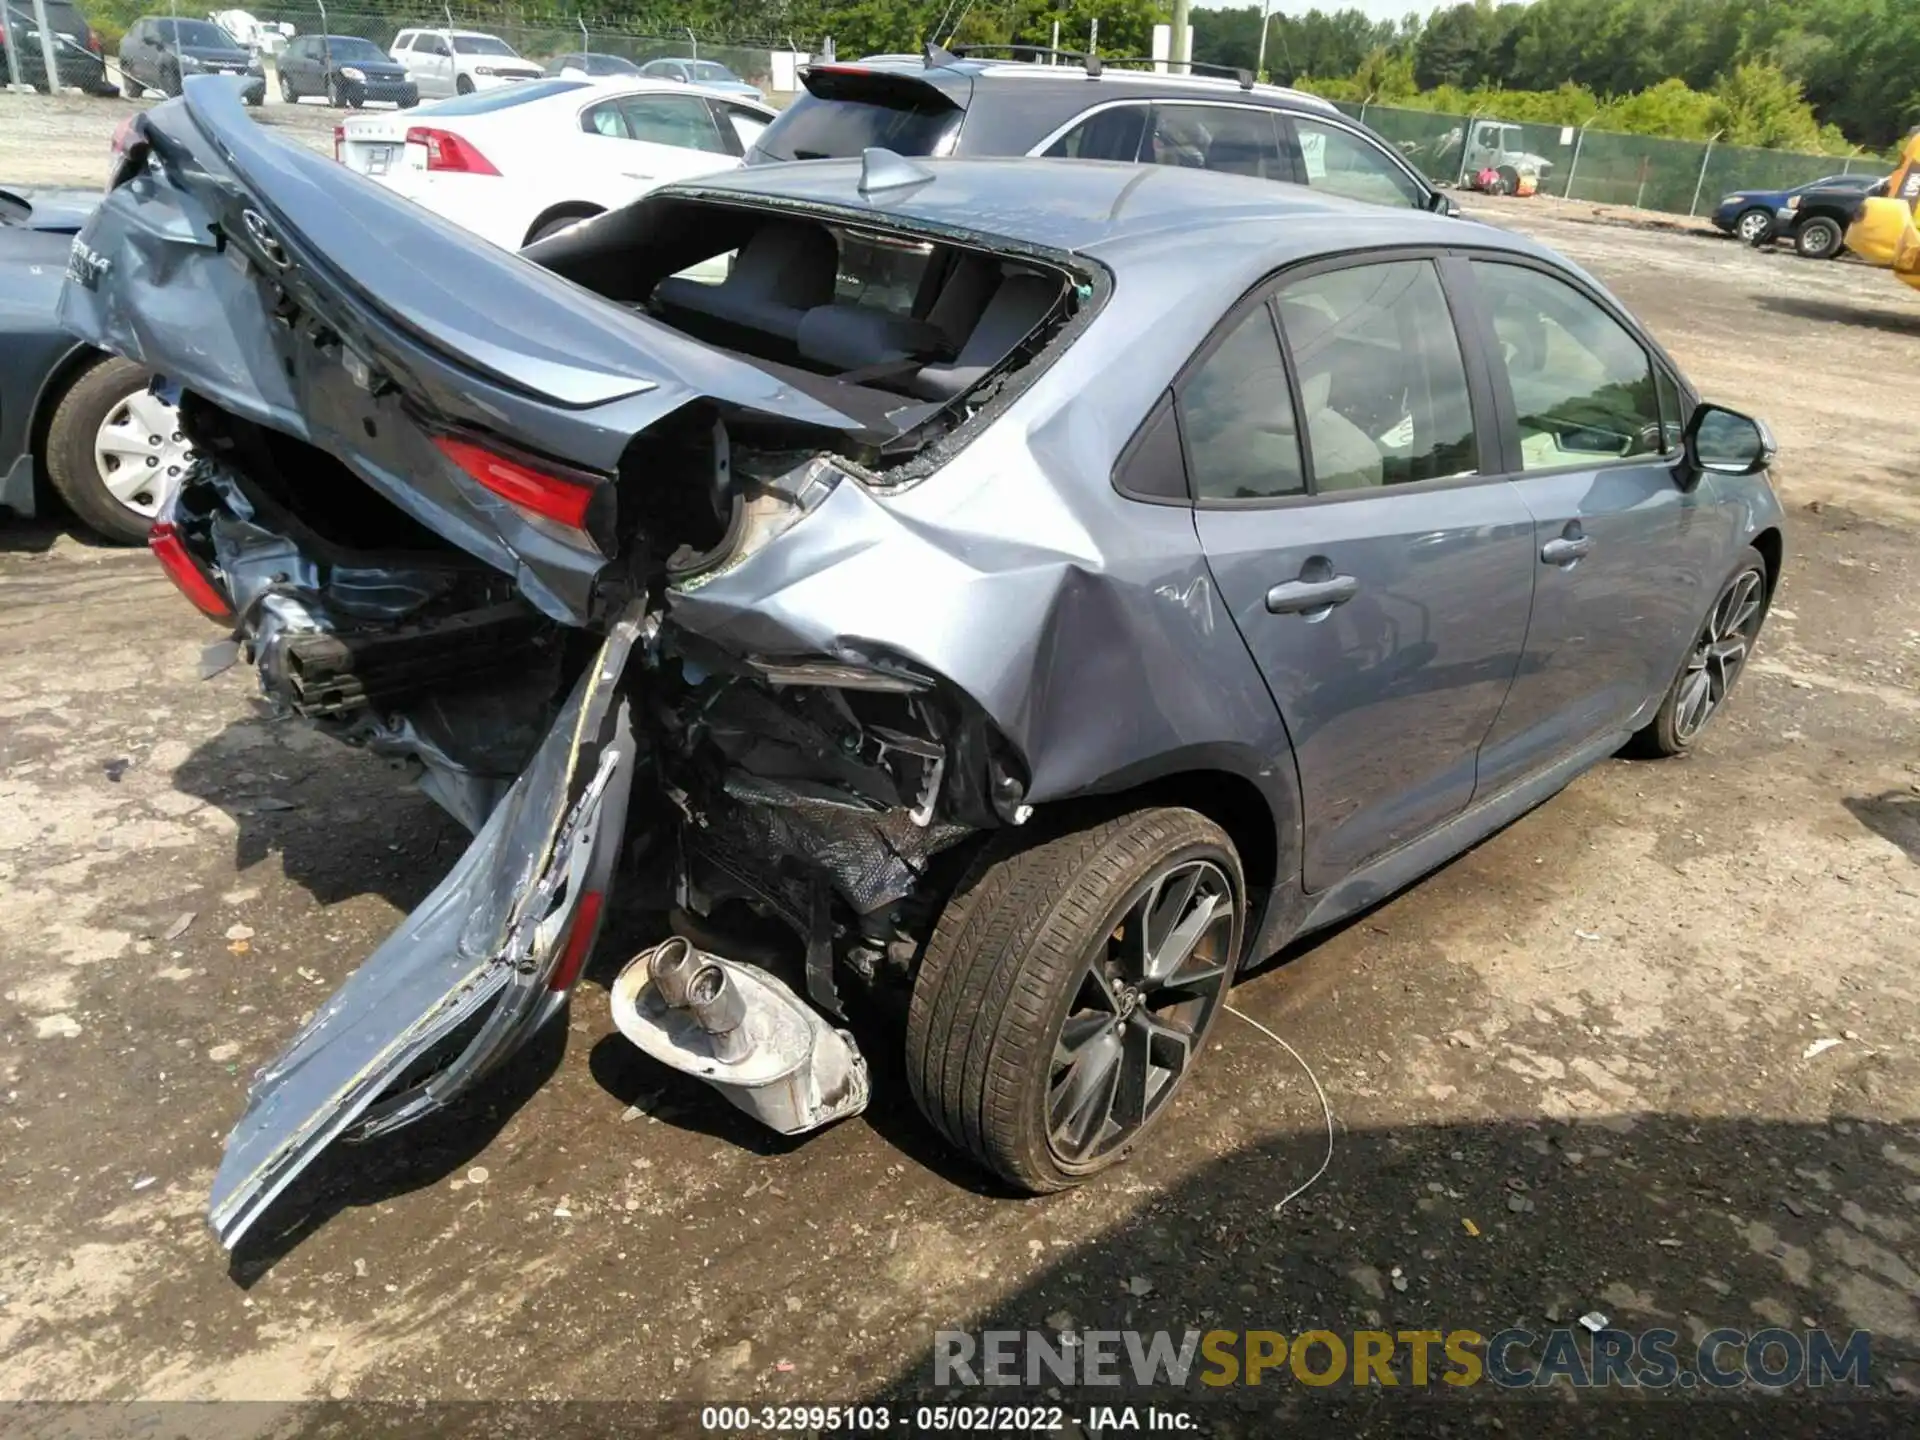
x=1575, y=1070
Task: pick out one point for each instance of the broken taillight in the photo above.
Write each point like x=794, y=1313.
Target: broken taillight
x=549, y=496
x=187, y=574
x=586, y=917
x=446, y=151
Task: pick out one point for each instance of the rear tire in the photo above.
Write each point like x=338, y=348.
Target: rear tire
x=1714, y=661
x=1032, y=1009
x=1819, y=238
x=74, y=466
x=288, y=94
x=130, y=88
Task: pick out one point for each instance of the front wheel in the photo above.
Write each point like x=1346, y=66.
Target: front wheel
x=463, y=85
x=170, y=82
x=1068, y=989
x=287, y=92
x=1719, y=654
x=1754, y=226
x=1819, y=239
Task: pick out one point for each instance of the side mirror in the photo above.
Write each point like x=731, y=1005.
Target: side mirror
x=1444, y=204
x=1725, y=442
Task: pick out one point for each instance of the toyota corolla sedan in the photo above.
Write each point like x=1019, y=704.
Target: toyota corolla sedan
x=1034, y=588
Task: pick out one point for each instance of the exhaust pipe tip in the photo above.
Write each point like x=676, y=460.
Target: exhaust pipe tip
x=719, y=1010
x=673, y=965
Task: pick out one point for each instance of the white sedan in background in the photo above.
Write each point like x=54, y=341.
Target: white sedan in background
x=515, y=165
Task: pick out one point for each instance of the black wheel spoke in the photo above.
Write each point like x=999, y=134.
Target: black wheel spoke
x=1127, y=1036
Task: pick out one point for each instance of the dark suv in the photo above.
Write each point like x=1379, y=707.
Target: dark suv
x=76, y=48
x=160, y=50
x=965, y=102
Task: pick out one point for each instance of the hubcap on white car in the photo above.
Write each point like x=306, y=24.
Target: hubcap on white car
x=141, y=452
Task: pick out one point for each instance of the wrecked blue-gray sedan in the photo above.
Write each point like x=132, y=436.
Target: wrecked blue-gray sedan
x=1044, y=586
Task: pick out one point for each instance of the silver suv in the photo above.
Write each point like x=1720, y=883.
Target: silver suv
x=1059, y=103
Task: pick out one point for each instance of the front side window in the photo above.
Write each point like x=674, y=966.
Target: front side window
x=1382, y=384
x=1342, y=163
x=682, y=121
x=605, y=120
x=1237, y=140
x=483, y=45
x=1583, y=387
x=1236, y=415
x=1111, y=134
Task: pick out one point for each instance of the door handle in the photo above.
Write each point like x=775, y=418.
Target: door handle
x=1566, y=549
x=1297, y=597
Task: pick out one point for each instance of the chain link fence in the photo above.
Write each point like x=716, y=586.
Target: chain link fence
x=1682, y=177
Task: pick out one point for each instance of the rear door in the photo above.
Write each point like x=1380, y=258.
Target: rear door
x=1380, y=572
x=1621, y=551
x=667, y=137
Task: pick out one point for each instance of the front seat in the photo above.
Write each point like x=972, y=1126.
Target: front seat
x=1016, y=309
x=784, y=270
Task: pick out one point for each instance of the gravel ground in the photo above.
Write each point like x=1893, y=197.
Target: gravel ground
x=1581, y=1068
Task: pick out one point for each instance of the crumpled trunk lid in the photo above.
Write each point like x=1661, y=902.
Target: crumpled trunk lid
x=470, y=975
x=296, y=294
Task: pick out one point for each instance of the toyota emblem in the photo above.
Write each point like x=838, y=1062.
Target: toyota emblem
x=263, y=237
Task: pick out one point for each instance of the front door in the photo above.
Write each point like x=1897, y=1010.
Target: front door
x=1379, y=578
x=1622, y=552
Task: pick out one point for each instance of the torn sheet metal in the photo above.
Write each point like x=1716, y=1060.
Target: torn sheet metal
x=469, y=976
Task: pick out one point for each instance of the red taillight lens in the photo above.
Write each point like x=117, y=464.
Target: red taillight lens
x=339, y=142
x=586, y=919
x=447, y=151
x=535, y=491
x=185, y=572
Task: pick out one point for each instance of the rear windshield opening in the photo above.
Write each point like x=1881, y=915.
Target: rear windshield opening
x=483, y=102
x=815, y=127
x=901, y=332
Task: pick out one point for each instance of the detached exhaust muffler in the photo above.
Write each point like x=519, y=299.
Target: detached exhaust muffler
x=743, y=1032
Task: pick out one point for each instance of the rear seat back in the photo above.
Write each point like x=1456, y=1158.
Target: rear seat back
x=1019, y=304
x=782, y=272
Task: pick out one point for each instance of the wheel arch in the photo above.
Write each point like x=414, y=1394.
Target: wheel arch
x=1259, y=812
x=60, y=379
x=564, y=210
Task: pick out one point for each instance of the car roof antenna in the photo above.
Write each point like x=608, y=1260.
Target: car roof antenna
x=937, y=55
x=884, y=170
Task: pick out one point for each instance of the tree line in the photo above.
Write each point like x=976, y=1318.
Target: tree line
x=1809, y=74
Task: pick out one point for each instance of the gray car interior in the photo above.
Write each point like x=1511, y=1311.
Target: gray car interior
x=782, y=300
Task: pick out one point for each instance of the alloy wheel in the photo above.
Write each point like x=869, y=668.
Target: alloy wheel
x=1141, y=1005
x=141, y=452
x=1717, y=658
x=1753, y=225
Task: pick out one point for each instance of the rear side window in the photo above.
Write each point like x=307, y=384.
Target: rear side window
x=1234, y=139
x=813, y=128
x=1342, y=163
x=1382, y=385
x=485, y=102
x=1236, y=414
x=682, y=121
x=1112, y=134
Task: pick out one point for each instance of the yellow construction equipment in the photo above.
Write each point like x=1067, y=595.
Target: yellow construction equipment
x=1883, y=231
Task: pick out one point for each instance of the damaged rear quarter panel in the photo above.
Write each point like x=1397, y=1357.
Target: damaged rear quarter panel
x=1085, y=627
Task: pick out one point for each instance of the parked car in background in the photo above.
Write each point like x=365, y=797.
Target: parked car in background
x=591, y=65
x=459, y=62
x=76, y=46
x=707, y=74
x=515, y=165
x=262, y=37
x=158, y=51
x=346, y=69
x=1188, y=565
x=967, y=103
x=71, y=416
x=1814, y=216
